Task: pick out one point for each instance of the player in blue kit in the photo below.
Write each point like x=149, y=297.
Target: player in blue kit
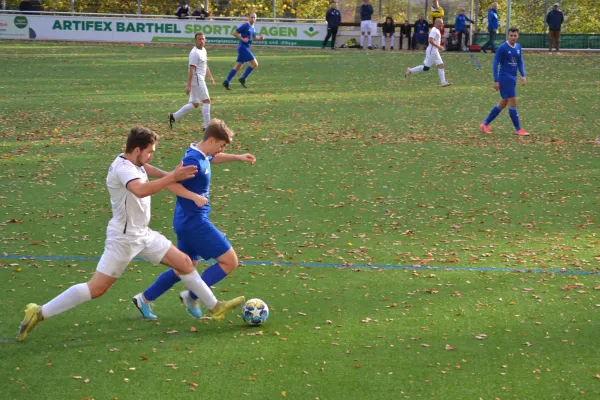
x=246, y=33
x=196, y=235
x=509, y=56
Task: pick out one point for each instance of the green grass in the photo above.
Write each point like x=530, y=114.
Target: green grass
x=356, y=166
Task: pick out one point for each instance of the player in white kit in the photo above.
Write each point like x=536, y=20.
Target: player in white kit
x=128, y=235
x=432, y=55
x=196, y=84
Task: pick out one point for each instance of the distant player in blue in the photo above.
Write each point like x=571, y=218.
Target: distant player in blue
x=510, y=58
x=196, y=235
x=246, y=33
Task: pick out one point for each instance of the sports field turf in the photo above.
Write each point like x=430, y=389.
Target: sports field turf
x=358, y=171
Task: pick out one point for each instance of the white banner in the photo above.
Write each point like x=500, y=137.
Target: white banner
x=138, y=30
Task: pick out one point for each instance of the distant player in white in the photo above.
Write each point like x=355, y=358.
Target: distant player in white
x=128, y=235
x=196, y=84
x=432, y=55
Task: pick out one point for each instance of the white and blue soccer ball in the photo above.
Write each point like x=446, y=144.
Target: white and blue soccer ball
x=255, y=312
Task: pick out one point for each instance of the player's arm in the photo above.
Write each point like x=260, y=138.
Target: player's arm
x=431, y=42
x=179, y=190
x=238, y=33
x=495, y=65
x=470, y=20
x=225, y=157
x=143, y=189
x=521, y=65
x=209, y=75
x=191, y=73
x=154, y=172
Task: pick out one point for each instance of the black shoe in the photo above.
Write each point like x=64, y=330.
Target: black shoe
x=382, y=47
x=392, y=48
x=171, y=121
x=370, y=47
x=243, y=82
x=360, y=47
x=323, y=47
x=484, y=50
x=226, y=85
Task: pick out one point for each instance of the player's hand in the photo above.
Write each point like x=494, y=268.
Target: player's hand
x=496, y=86
x=212, y=80
x=188, y=89
x=261, y=38
x=524, y=80
x=181, y=173
x=201, y=201
x=441, y=48
x=248, y=158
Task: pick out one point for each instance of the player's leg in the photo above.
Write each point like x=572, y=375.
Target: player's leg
x=252, y=65
x=420, y=68
x=383, y=40
x=550, y=40
x=113, y=262
x=441, y=70
x=369, y=37
x=557, y=42
x=496, y=110
x=334, y=32
x=329, y=33
x=514, y=117
x=363, y=31
x=232, y=72
x=392, y=41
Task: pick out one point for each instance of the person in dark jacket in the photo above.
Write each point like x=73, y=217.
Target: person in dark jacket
x=421, y=31
x=387, y=31
x=493, y=26
x=366, y=12
x=183, y=11
x=405, y=31
x=334, y=19
x=554, y=19
x=460, y=27
x=200, y=12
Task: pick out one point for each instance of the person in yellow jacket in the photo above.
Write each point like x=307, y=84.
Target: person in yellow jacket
x=437, y=11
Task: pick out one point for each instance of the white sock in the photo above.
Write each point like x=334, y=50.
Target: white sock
x=206, y=113
x=442, y=75
x=68, y=299
x=362, y=40
x=369, y=41
x=416, y=69
x=184, y=110
x=195, y=283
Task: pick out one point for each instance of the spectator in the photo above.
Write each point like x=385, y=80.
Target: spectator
x=26, y=6
x=460, y=27
x=421, y=31
x=200, y=12
x=405, y=31
x=387, y=31
x=437, y=11
x=366, y=12
x=554, y=19
x=183, y=11
x=492, y=28
x=334, y=19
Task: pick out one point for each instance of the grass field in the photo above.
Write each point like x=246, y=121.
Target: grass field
x=402, y=253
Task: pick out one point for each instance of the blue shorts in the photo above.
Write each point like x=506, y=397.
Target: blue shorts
x=508, y=87
x=202, y=241
x=244, y=55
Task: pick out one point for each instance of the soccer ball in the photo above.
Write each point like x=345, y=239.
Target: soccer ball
x=255, y=312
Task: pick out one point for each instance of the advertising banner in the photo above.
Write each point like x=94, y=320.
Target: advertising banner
x=138, y=30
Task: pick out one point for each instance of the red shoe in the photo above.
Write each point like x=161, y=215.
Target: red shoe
x=485, y=128
x=522, y=132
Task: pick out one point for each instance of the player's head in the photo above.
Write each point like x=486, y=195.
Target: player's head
x=252, y=17
x=200, y=40
x=141, y=144
x=461, y=10
x=495, y=6
x=389, y=20
x=438, y=23
x=421, y=16
x=556, y=5
x=513, y=35
x=217, y=136
x=334, y=3
x=435, y=3
x=366, y=1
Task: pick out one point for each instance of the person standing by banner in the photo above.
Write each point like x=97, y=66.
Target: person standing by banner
x=334, y=19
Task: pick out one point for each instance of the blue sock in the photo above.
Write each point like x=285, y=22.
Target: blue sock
x=231, y=75
x=165, y=281
x=493, y=114
x=514, y=115
x=247, y=72
x=211, y=275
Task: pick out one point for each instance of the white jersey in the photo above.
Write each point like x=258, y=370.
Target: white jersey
x=131, y=214
x=199, y=59
x=436, y=35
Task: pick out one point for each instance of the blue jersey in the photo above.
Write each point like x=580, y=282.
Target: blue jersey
x=187, y=213
x=510, y=59
x=246, y=31
x=460, y=23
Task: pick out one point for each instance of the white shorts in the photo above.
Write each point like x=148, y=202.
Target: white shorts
x=119, y=251
x=365, y=26
x=199, y=92
x=432, y=58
